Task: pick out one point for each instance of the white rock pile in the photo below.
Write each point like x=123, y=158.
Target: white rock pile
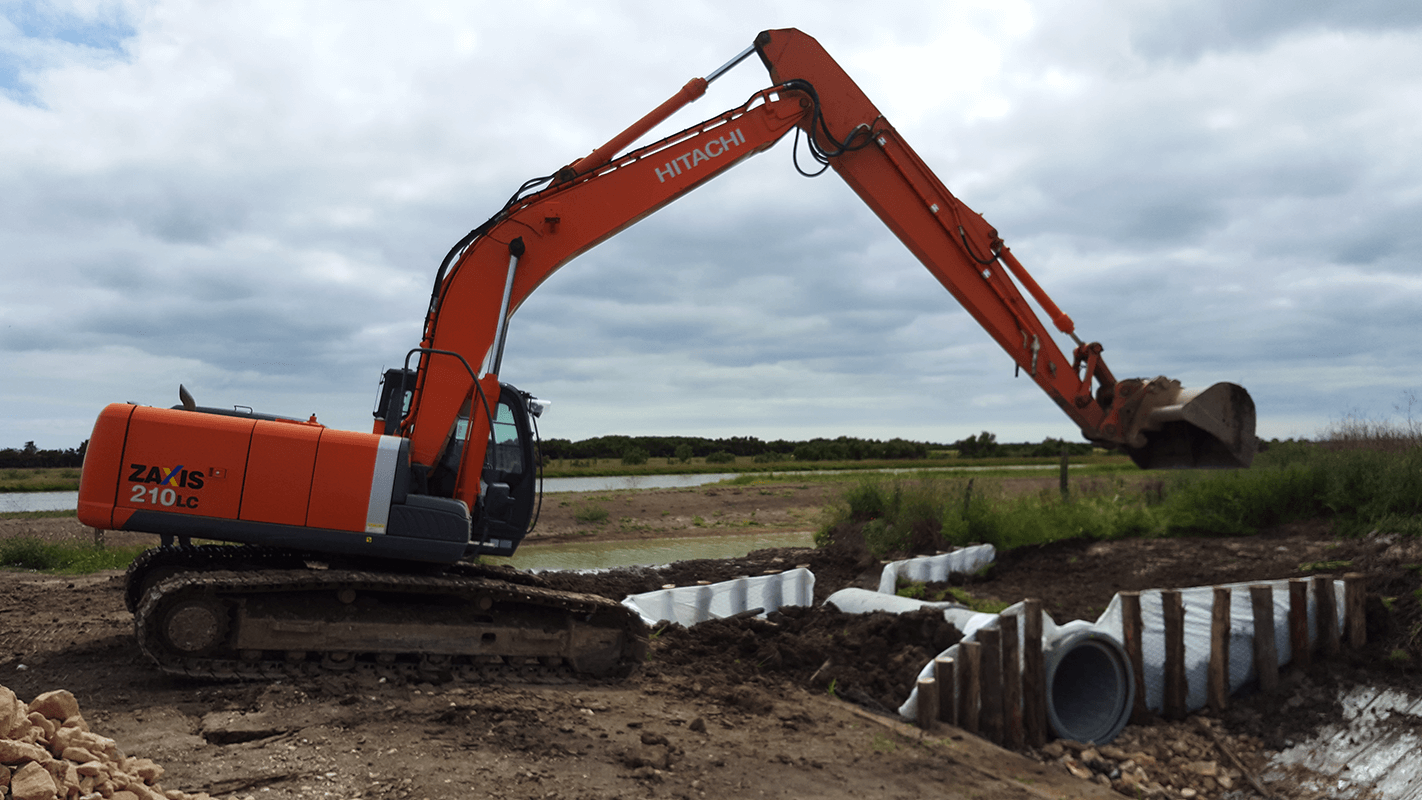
x=47, y=752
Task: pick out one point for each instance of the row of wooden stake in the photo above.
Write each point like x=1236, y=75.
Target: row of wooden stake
x=998, y=693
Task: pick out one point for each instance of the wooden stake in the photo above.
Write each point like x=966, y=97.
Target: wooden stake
x=1355, y=609
x=1298, y=623
x=1131, y=630
x=948, y=686
x=1177, y=687
x=1266, y=652
x=1034, y=675
x=1014, y=735
x=1217, y=686
x=990, y=673
x=1066, y=487
x=1327, y=614
x=927, y=703
x=970, y=656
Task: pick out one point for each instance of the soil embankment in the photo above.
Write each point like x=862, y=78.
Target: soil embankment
x=721, y=710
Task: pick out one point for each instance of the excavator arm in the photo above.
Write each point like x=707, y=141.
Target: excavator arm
x=492, y=271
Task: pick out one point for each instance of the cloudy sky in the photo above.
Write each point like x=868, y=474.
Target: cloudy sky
x=252, y=199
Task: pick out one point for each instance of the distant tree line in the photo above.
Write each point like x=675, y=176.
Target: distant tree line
x=985, y=445
x=637, y=449
x=31, y=456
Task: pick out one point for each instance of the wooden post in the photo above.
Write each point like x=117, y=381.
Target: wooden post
x=970, y=654
x=1131, y=630
x=1298, y=623
x=1014, y=736
x=1355, y=607
x=1266, y=653
x=990, y=673
x=927, y=703
x=1066, y=487
x=1217, y=686
x=1034, y=675
x=1327, y=614
x=948, y=686
x=99, y=538
x=1176, y=684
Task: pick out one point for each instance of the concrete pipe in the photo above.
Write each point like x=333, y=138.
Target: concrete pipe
x=1090, y=690
x=1089, y=686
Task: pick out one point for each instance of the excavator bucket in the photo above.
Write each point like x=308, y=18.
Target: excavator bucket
x=1178, y=428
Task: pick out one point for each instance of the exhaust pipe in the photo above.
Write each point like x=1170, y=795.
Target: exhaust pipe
x=1090, y=689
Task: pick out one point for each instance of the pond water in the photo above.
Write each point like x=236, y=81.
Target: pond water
x=38, y=501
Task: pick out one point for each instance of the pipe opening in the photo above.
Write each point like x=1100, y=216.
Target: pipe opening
x=1089, y=688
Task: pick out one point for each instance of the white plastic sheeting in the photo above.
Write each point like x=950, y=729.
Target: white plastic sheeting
x=1370, y=753
x=933, y=569
x=688, y=605
x=1198, y=603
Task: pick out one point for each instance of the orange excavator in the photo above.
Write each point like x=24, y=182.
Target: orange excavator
x=360, y=549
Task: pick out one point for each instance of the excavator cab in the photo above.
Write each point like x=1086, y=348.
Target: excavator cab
x=509, y=482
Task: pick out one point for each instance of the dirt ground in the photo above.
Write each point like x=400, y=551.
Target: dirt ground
x=732, y=708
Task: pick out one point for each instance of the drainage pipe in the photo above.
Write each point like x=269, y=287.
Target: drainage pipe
x=1089, y=686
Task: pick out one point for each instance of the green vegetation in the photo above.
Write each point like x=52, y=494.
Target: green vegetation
x=64, y=558
x=957, y=594
x=590, y=513
x=39, y=479
x=1360, y=489
x=39, y=514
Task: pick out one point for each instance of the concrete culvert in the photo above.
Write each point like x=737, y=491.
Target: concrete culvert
x=1089, y=686
x=1090, y=692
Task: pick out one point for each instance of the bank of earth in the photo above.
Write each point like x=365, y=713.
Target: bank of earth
x=726, y=709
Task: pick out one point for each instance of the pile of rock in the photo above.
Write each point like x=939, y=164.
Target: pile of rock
x=47, y=751
x=1196, y=760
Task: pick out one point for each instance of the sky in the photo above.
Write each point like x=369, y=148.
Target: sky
x=252, y=199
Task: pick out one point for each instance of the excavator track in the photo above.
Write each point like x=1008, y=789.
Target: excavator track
x=253, y=622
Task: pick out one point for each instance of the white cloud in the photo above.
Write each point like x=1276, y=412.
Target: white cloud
x=253, y=200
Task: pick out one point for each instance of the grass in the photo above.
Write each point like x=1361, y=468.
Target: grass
x=599, y=467
x=40, y=479
x=63, y=512
x=64, y=558
x=590, y=513
x=1359, y=489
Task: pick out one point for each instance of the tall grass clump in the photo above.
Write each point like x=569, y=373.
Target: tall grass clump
x=1362, y=475
x=64, y=557
x=901, y=515
x=1009, y=522
x=894, y=511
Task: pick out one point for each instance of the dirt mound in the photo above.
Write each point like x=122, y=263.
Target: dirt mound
x=48, y=751
x=871, y=659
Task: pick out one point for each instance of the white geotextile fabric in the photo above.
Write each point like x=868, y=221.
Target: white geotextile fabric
x=933, y=569
x=1198, y=603
x=689, y=605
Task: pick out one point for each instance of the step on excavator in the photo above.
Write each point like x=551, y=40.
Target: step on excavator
x=358, y=551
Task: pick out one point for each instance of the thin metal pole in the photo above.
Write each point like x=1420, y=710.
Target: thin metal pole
x=726, y=67
x=516, y=251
